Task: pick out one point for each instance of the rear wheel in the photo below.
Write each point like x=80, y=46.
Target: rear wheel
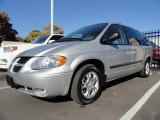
x=146, y=70
x=86, y=86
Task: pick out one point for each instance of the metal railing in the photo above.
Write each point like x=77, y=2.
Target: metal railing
x=154, y=38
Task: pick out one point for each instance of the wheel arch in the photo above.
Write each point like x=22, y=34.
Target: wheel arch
x=149, y=58
x=98, y=63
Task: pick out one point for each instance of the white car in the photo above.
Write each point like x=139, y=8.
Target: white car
x=9, y=50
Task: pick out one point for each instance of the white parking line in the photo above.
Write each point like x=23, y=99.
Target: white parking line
x=131, y=113
x=4, y=88
x=150, y=73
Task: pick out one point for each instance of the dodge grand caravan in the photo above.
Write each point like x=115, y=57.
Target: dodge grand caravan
x=81, y=62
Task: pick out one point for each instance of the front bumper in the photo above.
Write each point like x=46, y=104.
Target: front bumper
x=41, y=85
x=4, y=61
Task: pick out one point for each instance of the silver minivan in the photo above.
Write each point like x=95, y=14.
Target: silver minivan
x=80, y=63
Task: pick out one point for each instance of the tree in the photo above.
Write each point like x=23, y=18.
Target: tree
x=33, y=35
x=57, y=29
x=46, y=31
x=7, y=33
x=19, y=39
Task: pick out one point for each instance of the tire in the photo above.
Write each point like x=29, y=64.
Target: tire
x=86, y=86
x=146, y=70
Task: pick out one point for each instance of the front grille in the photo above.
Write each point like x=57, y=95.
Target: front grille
x=23, y=60
x=19, y=63
x=16, y=68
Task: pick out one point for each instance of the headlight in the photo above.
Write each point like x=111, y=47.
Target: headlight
x=10, y=49
x=48, y=62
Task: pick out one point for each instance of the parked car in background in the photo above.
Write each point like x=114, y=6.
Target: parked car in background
x=156, y=51
x=9, y=50
x=81, y=62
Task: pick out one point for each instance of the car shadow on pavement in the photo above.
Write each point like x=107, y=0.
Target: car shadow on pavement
x=119, y=81
x=106, y=86
x=154, y=67
x=58, y=99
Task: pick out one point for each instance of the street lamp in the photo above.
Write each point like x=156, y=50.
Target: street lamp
x=52, y=17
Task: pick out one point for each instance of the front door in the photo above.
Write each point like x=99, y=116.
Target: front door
x=119, y=54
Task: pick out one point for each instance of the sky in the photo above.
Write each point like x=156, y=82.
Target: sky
x=28, y=15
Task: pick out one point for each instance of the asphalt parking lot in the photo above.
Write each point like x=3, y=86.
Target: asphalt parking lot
x=117, y=99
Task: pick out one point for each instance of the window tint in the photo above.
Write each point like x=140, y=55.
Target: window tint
x=154, y=45
x=40, y=40
x=56, y=37
x=146, y=42
x=85, y=34
x=113, y=29
x=134, y=34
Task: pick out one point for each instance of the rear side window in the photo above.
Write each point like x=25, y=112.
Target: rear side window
x=134, y=36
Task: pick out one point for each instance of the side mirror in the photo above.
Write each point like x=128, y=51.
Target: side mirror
x=113, y=37
x=51, y=41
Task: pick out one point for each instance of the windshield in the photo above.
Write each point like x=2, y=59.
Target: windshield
x=40, y=40
x=84, y=34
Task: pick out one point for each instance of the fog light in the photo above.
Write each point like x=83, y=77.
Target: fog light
x=40, y=92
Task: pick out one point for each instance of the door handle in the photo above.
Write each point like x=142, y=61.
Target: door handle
x=133, y=52
x=129, y=52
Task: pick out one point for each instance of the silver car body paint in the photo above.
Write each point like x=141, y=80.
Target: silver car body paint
x=57, y=81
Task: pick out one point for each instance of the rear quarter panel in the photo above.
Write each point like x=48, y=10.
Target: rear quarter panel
x=148, y=52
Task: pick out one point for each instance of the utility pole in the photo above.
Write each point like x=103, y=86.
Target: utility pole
x=52, y=17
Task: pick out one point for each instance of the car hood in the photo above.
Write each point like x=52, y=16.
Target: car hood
x=48, y=49
x=5, y=43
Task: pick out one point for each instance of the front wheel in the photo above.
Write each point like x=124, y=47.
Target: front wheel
x=86, y=87
x=146, y=70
